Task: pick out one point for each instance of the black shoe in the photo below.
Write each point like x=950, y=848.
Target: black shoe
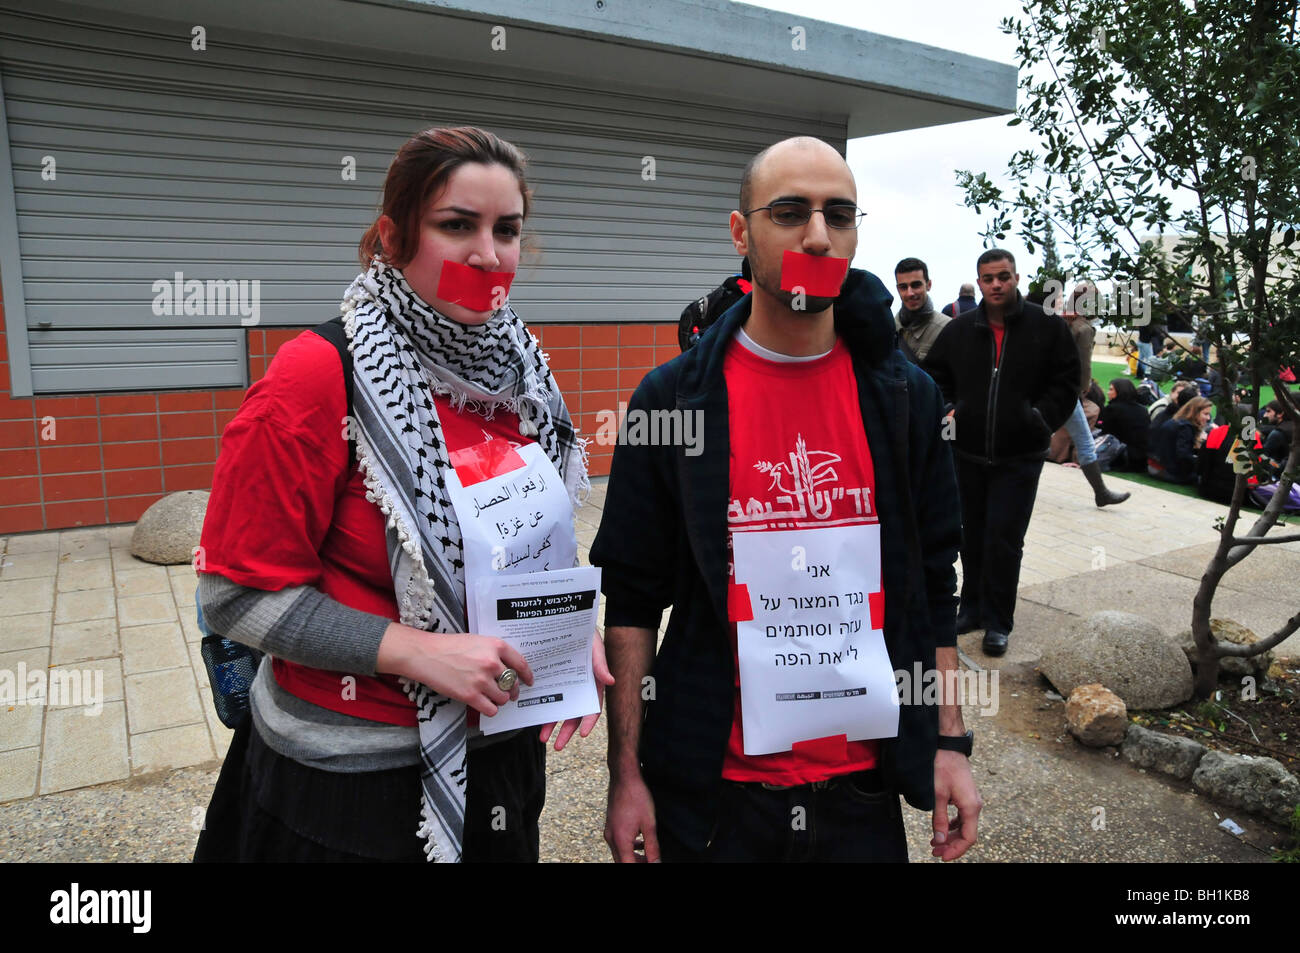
x=966, y=623
x=995, y=642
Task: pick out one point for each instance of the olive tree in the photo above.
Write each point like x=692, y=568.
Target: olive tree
x=1168, y=162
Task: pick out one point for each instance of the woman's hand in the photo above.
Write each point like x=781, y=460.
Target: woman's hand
x=460, y=665
x=584, y=725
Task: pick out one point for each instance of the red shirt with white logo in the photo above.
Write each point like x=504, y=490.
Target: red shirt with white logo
x=798, y=448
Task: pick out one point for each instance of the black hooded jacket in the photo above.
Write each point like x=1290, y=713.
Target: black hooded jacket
x=663, y=541
x=1006, y=409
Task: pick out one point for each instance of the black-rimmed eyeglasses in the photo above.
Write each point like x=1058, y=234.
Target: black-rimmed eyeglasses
x=798, y=213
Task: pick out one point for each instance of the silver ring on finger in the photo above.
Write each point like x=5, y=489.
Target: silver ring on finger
x=507, y=679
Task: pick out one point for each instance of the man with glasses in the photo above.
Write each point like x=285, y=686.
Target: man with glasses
x=752, y=734
x=1009, y=374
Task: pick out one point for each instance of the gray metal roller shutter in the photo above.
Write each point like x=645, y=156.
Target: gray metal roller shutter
x=226, y=165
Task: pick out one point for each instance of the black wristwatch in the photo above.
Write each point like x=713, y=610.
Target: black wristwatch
x=960, y=743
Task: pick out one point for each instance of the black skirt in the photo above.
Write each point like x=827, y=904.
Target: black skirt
x=269, y=808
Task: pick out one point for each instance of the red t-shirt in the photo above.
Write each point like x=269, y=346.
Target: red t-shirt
x=288, y=508
x=999, y=332
x=806, y=415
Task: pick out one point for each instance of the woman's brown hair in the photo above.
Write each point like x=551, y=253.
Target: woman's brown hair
x=421, y=168
x=1193, y=407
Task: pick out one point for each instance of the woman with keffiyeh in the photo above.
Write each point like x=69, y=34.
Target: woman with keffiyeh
x=332, y=545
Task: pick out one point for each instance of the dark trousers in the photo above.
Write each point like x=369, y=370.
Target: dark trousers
x=845, y=820
x=996, y=504
x=268, y=808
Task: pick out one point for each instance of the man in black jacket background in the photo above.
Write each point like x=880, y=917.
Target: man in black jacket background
x=1008, y=372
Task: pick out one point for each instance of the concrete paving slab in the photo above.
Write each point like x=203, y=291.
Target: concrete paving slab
x=25, y=631
x=25, y=596
x=84, y=604
x=168, y=748
x=1037, y=628
x=1271, y=571
x=1164, y=598
x=84, y=543
x=139, y=582
x=32, y=543
x=79, y=751
x=152, y=648
x=79, y=574
x=162, y=699
x=91, y=639
x=143, y=610
x=123, y=561
x=28, y=565
x=103, y=674
x=18, y=770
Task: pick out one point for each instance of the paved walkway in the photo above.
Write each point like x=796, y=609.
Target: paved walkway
x=131, y=783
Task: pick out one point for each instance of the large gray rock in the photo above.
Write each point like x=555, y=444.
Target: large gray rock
x=1226, y=630
x=169, y=530
x=1096, y=716
x=1259, y=785
x=1168, y=754
x=1127, y=654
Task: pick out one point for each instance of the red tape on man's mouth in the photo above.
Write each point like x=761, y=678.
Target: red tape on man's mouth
x=473, y=288
x=818, y=275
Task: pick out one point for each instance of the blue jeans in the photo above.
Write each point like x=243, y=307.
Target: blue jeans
x=849, y=819
x=1079, y=431
x=1145, y=353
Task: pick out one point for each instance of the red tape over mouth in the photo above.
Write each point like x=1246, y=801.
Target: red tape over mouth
x=820, y=276
x=473, y=288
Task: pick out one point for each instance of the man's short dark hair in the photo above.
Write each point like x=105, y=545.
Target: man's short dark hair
x=995, y=254
x=912, y=264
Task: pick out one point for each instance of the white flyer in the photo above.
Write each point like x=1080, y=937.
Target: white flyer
x=811, y=665
x=550, y=619
x=517, y=518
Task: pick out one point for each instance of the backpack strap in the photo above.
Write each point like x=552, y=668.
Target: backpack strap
x=334, y=332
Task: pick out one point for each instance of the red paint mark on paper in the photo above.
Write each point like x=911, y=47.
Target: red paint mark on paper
x=484, y=461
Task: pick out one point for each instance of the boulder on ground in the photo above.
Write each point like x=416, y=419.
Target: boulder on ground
x=1127, y=654
x=1226, y=630
x=1168, y=754
x=1259, y=785
x=169, y=530
x=1096, y=716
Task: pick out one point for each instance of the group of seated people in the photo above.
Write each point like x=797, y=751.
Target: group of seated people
x=1167, y=438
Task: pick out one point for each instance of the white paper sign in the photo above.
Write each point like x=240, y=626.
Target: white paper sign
x=516, y=522
x=811, y=666
x=550, y=619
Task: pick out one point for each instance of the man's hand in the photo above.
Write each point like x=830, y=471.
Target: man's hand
x=630, y=822
x=584, y=725
x=953, y=784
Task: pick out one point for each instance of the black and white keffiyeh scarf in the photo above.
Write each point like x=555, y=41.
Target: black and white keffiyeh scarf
x=403, y=353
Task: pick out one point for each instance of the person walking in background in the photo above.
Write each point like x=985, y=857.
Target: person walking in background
x=1010, y=376
x=1076, y=425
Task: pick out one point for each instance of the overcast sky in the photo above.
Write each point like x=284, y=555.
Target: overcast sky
x=906, y=180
